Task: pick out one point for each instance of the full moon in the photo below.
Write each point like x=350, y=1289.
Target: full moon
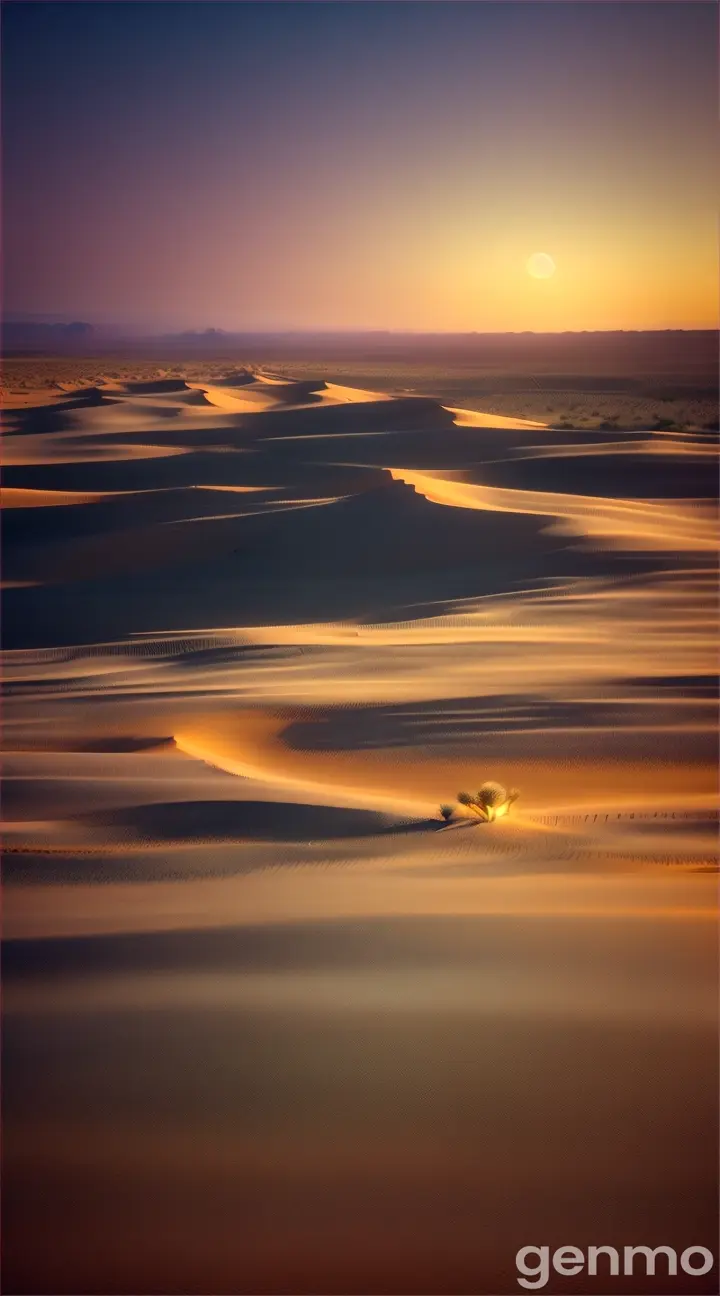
x=540, y=265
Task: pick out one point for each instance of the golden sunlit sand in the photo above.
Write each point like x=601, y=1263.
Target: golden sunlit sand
x=626, y=524
x=515, y=665
x=248, y=658
x=13, y=497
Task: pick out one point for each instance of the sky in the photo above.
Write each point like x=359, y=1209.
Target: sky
x=388, y=165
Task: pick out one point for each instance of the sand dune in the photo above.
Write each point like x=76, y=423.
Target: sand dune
x=272, y=380
x=335, y=392
x=237, y=821
x=245, y=674
x=624, y=524
x=669, y=445
x=245, y=401
x=474, y=418
x=45, y=450
x=157, y=386
x=405, y=780
x=13, y=497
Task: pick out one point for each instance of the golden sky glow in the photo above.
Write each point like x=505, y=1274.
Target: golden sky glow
x=363, y=166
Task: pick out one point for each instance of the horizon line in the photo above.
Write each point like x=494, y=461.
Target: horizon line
x=135, y=333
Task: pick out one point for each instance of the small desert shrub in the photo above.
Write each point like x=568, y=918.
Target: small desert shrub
x=491, y=800
x=491, y=794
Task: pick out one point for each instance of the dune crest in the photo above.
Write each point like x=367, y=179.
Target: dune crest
x=624, y=524
x=248, y=745
x=474, y=418
x=259, y=745
x=16, y=497
x=242, y=401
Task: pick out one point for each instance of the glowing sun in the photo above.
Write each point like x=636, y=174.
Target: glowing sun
x=540, y=265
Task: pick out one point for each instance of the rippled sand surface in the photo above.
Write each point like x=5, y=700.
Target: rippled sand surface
x=271, y=1025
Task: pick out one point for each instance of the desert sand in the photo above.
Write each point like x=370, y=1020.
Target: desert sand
x=271, y=1024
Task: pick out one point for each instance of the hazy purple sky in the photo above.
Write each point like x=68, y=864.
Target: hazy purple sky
x=388, y=165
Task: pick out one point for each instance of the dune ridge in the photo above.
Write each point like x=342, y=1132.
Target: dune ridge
x=625, y=524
